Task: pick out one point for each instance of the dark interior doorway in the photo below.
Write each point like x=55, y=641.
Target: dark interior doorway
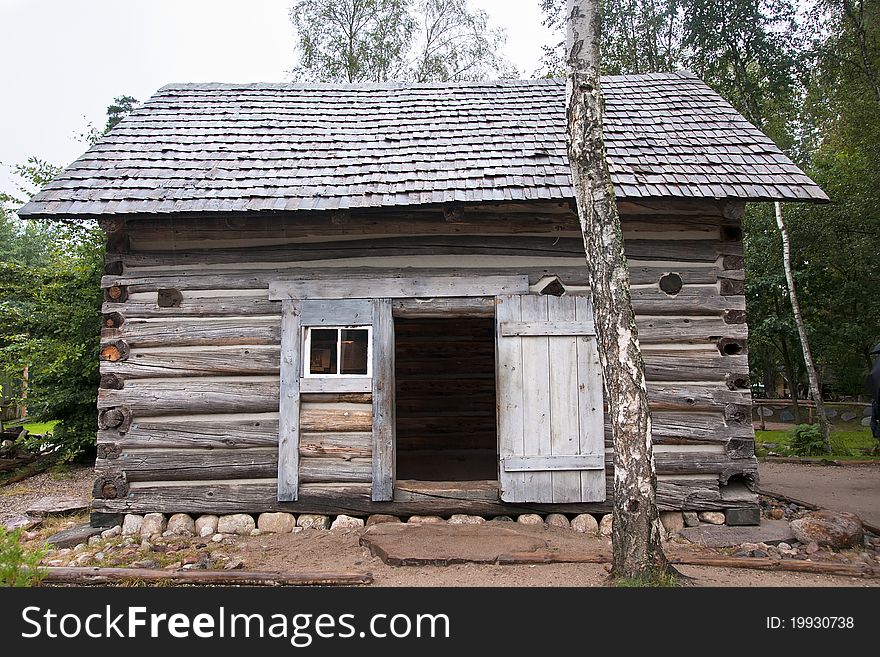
x=445, y=397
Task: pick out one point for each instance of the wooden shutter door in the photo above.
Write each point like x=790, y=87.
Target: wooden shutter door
x=550, y=419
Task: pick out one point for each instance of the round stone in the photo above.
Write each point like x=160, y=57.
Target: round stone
x=241, y=524
x=276, y=523
x=181, y=524
x=558, y=520
x=585, y=523
x=347, y=522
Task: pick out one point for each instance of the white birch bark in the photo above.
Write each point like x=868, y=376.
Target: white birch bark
x=812, y=374
x=637, y=530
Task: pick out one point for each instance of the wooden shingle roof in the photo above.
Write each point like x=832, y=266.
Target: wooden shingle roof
x=255, y=147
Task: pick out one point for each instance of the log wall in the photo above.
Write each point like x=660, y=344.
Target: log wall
x=188, y=405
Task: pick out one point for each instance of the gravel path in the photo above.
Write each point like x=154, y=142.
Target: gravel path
x=75, y=481
x=853, y=488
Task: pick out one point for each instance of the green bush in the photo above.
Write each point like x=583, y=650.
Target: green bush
x=18, y=566
x=806, y=440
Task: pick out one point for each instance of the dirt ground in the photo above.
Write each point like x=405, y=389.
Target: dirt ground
x=853, y=488
x=341, y=551
x=315, y=549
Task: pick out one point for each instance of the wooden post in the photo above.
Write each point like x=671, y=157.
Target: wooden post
x=383, y=401
x=289, y=402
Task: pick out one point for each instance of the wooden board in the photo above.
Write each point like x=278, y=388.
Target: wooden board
x=383, y=401
x=335, y=384
x=348, y=312
x=565, y=438
x=289, y=406
x=555, y=462
x=510, y=391
x=427, y=287
x=560, y=327
x=589, y=400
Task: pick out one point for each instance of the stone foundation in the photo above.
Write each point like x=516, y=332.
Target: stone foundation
x=244, y=524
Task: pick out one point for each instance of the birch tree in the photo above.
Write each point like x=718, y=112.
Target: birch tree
x=812, y=375
x=396, y=41
x=636, y=527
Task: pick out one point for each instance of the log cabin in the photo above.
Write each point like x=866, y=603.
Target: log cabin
x=373, y=298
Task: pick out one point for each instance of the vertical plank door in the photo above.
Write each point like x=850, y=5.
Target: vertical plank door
x=550, y=420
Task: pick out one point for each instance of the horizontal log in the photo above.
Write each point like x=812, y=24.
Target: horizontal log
x=259, y=495
x=222, y=464
x=151, y=362
x=189, y=464
x=693, y=366
x=149, y=397
x=82, y=576
x=537, y=217
x=534, y=216
x=190, y=332
x=345, y=466
x=693, y=300
x=212, y=431
x=680, y=427
x=286, y=248
x=196, y=361
x=686, y=330
x=693, y=463
x=569, y=271
x=663, y=396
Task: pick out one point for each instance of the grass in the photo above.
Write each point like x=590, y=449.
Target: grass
x=846, y=444
x=40, y=428
x=647, y=580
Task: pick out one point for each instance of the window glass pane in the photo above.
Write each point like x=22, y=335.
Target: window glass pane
x=354, y=351
x=322, y=359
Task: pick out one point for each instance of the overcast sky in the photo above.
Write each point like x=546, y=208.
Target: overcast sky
x=63, y=61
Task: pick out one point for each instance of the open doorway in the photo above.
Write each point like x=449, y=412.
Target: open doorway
x=445, y=399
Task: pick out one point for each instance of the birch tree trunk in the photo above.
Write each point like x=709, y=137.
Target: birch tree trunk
x=812, y=375
x=636, y=529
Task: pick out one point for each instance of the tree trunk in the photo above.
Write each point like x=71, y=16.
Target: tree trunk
x=812, y=375
x=636, y=529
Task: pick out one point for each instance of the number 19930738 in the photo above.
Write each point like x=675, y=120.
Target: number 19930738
x=810, y=623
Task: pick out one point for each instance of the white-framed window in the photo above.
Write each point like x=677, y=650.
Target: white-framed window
x=337, y=351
